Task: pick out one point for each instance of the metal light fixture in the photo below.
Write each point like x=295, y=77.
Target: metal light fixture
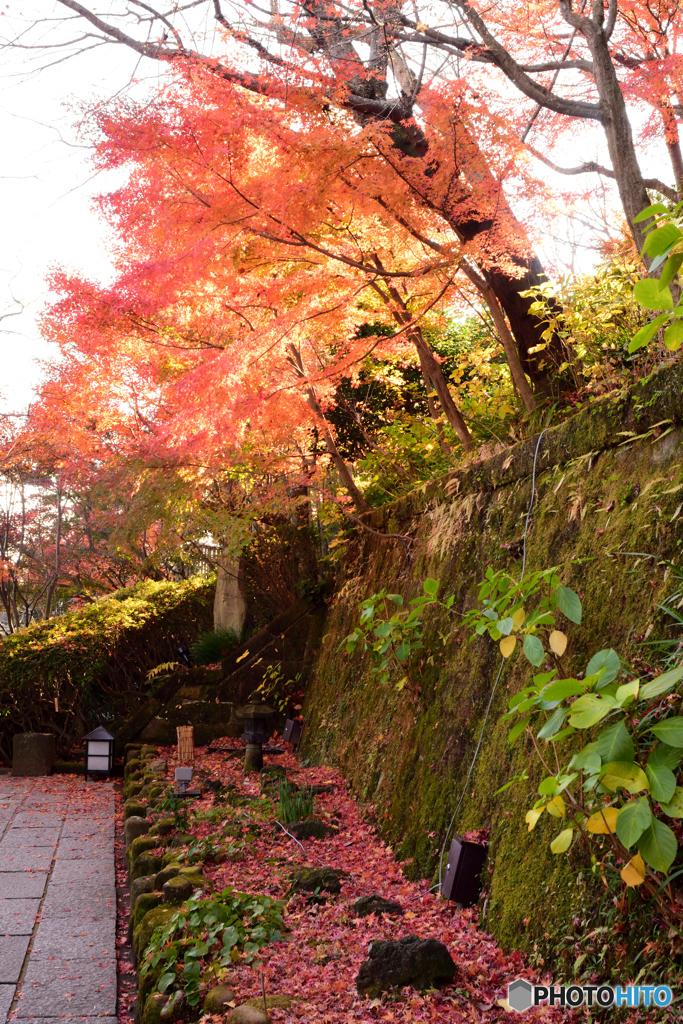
x=462, y=882
x=258, y=718
x=99, y=752
x=292, y=732
x=183, y=777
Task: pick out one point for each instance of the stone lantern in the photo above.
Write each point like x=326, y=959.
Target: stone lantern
x=258, y=718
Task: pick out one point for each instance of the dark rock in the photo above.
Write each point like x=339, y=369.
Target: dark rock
x=310, y=828
x=319, y=790
x=138, y=846
x=134, y=809
x=421, y=963
x=145, y=902
x=177, y=890
x=145, y=864
x=134, y=828
x=365, y=905
x=33, y=754
x=144, y=931
x=132, y=766
x=182, y=839
x=246, y=1014
x=165, y=826
x=143, y=884
x=310, y=880
x=158, y=765
x=132, y=788
x=273, y=771
x=149, y=751
x=154, y=1004
x=163, y=876
x=217, y=999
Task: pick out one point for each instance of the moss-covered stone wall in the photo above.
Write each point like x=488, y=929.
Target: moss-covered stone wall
x=609, y=498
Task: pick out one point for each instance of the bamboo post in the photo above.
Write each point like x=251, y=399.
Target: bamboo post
x=185, y=743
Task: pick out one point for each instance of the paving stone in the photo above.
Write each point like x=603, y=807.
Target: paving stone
x=6, y=997
x=95, y=869
x=17, y=858
x=24, y=820
x=72, y=1020
x=70, y=988
x=81, y=830
x=18, y=885
x=30, y=837
x=12, y=952
x=17, y=917
x=84, y=938
x=67, y=903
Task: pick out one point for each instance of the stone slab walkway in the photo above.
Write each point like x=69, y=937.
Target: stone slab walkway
x=57, y=900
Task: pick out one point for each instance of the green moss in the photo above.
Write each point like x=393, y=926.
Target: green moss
x=142, y=935
x=138, y=846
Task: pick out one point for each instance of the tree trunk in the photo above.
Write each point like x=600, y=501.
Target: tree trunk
x=230, y=603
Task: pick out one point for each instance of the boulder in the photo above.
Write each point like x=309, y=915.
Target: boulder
x=320, y=789
x=149, y=751
x=308, y=880
x=164, y=827
x=145, y=864
x=154, y=1004
x=421, y=963
x=217, y=999
x=272, y=1002
x=145, y=902
x=133, y=808
x=181, y=839
x=138, y=846
x=246, y=1014
x=374, y=904
x=165, y=874
x=154, y=919
x=310, y=828
x=33, y=753
x=132, y=766
x=134, y=828
x=132, y=788
x=158, y=765
x=177, y=889
x=143, y=884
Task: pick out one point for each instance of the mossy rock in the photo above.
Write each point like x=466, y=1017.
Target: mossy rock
x=310, y=828
x=145, y=864
x=182, y=839
x=156, y=918
x=138, y=846
x=154, y=1004
x=149, y=751
x=165, y=826
x=145, y=902
x=155, y=794
x=133, y=766
x=132, y=789
x=194, y=874
x=275, y=1002
x=134, y=808
x=177, y=889
x=165, y=874
x=308, y=880
x=217, y=999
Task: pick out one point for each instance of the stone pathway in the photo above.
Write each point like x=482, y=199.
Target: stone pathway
x=57, y=900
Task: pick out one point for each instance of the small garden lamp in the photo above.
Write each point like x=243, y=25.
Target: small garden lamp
x=258, y=718
x=99, y=752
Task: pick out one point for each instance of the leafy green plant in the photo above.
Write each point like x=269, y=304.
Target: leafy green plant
x=294, y=805
x=280, y=691
x=618, y=787
x=393, y=637
x=214, y=645
x=222, y=928
x=215, y=847
x=664, y=246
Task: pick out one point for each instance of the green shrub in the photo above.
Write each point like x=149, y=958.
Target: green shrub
x=294, y=806
x=214, y=645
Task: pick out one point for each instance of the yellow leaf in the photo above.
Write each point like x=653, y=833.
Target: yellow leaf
x=602, y=826
x=558, y=642
x=634, y=872
x=532, y=817
x=507, y=645
x=518, y=617
x=556, y=807
x=561, y=843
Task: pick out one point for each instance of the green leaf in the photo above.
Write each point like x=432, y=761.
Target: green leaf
x=563, y=841
x=674, y=809
x=657, y=846
x=165, y=980
x=430, y=586
x=647, y=293
x=533, y=649
x=607, y=660
x=660, y=240
x=396, y=598
x=662, y=684
x=645, y=335
x=517, y=730
x=671, y=268
x=403, y=651
x=670, y=731
x=505, y=626
x=673, y=335
x=569, y=604
x=590, y=709
x=587, y=759
x=649, y=211
x=627, y=693
x=624, y=775
x=632, y=821
x=662, y=782
x=553, y=725
x=563, y=688
x=615, y=744
x=668, y=757
x=548, y=787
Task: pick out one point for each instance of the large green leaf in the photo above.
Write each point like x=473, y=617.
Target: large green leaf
x=533, y=649
x=662, y=782
x=553, y=725
x=590, y=709
x=569, y=604
x=662, y=684
x=646, y=333
x=657, y=846
x=607, y=660
x=624, y=775
x=669, y=757
x=563, y=688
x=430, y=586
x=587, y=759
x=674, y=808
x=649, y=211
x=615, y=744
x=632, y=821
x=563, y=841
x=673, y=336
x=670, y=731
x=671, y=268
x=647, y=293
x=662, y=239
